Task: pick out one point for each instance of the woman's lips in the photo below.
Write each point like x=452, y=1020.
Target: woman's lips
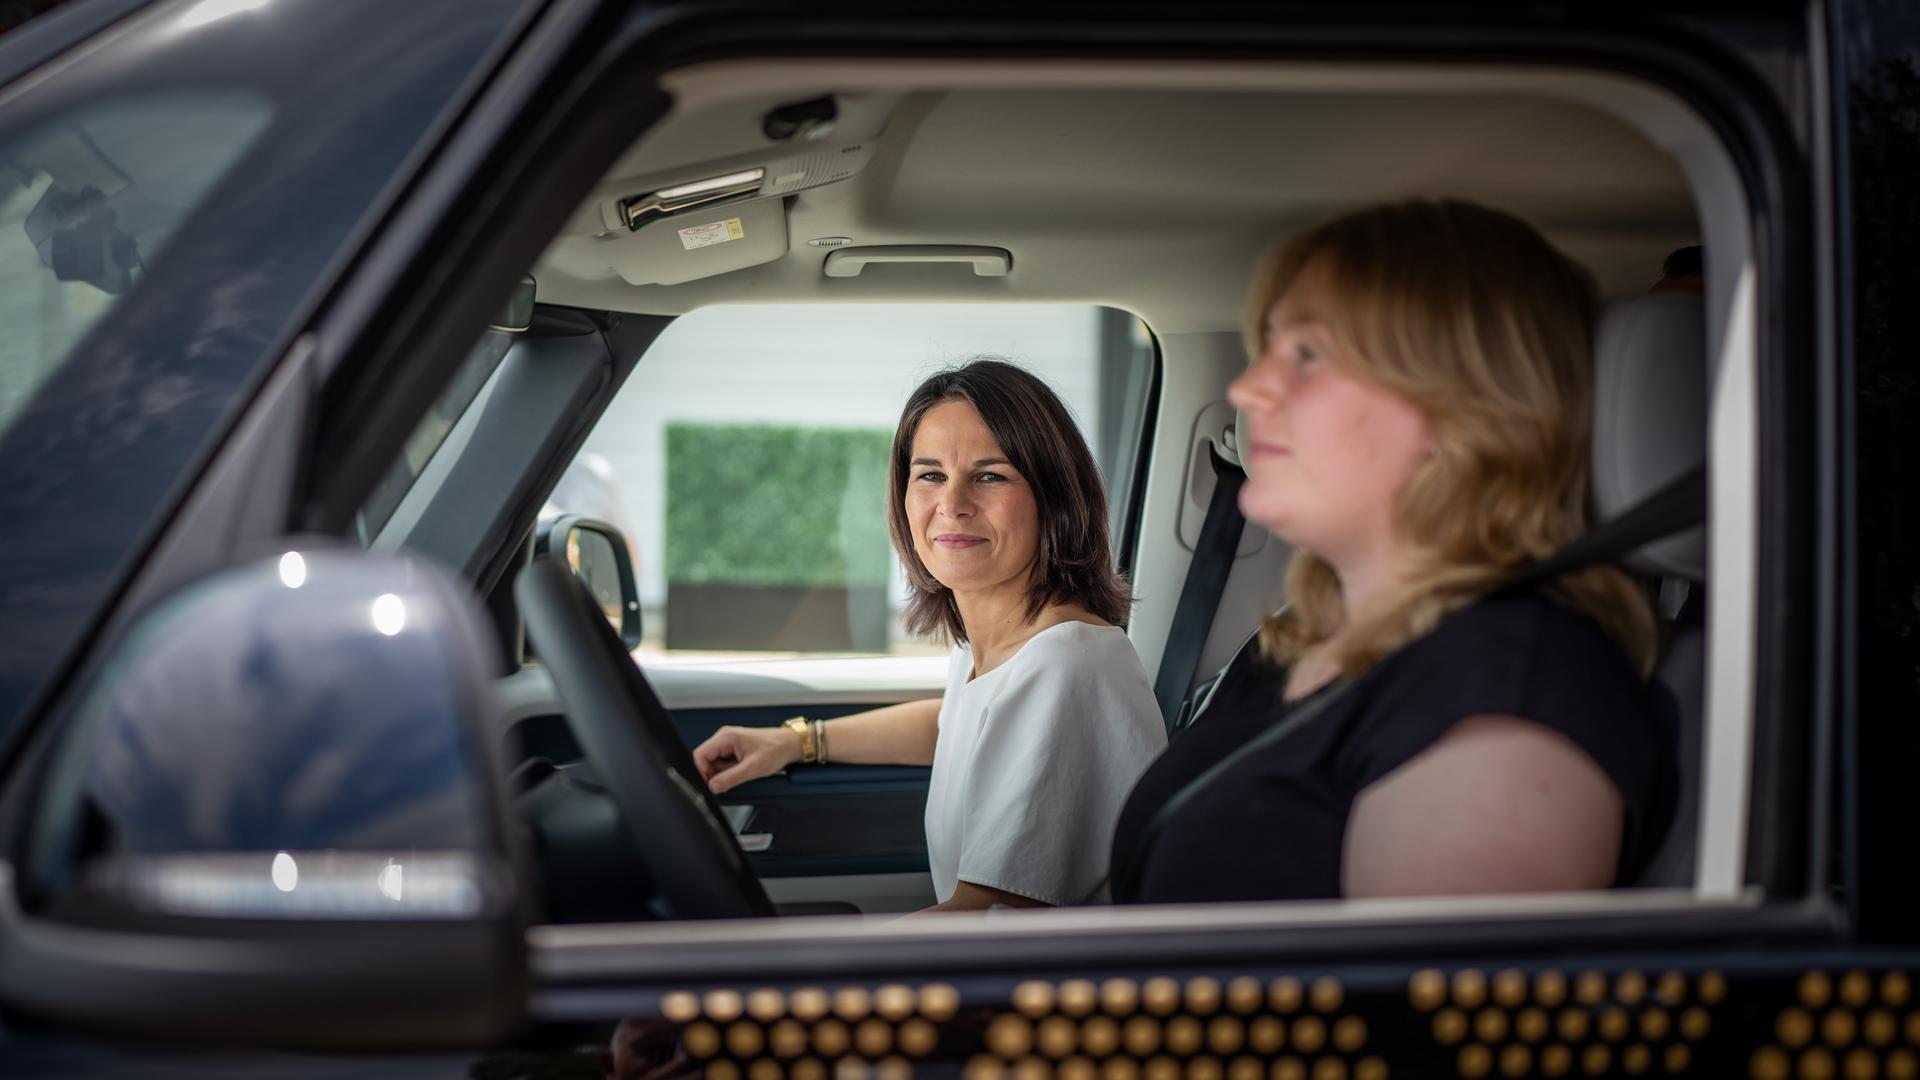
x=958, y=541
x=1265, y=449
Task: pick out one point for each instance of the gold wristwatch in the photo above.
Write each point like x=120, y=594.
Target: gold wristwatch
x=809, y=749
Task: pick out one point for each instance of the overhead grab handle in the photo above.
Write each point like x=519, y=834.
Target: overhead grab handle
x=986, y=261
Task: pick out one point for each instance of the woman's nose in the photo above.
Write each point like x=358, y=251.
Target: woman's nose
x=1258, y=388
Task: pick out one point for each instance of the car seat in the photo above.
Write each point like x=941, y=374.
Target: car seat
x=1649, y=428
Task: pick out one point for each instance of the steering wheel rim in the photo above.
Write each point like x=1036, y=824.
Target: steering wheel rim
x=672, y=821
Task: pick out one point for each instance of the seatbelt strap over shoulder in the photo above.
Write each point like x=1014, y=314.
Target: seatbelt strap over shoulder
x=1200, y=594
x=1678, y=506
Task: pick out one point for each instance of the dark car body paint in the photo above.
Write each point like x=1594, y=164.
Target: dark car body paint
x=1724, y=1006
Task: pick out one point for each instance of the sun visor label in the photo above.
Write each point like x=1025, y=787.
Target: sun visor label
x=718, y=232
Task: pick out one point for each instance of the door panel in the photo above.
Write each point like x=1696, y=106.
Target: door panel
x=821, y=821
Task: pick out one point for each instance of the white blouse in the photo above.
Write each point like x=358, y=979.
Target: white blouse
x=1034, y=760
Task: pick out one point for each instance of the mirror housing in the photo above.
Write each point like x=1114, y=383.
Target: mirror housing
x=597, y=554
x=275, y=816
x=517, y=317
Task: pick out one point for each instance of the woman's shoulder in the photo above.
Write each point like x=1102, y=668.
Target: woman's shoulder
x=1074, y=667
x=1530, y=657
x=1547, y=633
x=1074, y=646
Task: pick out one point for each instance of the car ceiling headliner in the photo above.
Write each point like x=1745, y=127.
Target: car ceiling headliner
x=1155, y=201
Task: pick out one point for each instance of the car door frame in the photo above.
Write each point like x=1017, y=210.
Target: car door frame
x=439, y=269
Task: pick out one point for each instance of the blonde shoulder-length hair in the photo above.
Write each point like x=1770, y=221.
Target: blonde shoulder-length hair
x=1470, y=315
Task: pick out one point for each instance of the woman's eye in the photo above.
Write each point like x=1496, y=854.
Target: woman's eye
x=1305, y=354
x=931, y=477
x=990, y=478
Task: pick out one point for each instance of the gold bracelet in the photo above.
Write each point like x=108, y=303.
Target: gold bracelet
x=820, y=742
x=809, y=752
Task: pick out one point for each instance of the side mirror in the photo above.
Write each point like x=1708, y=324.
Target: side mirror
x=597, y=554
x=518, y=315
x=275, y=815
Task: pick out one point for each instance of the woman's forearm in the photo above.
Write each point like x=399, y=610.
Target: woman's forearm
x=901, y=734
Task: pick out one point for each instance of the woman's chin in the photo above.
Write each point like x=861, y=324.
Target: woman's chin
x=1270, y=512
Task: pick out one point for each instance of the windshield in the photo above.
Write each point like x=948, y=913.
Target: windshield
x=94, y=198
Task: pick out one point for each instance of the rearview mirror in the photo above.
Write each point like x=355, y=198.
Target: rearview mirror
x=597, y=554
x=276, y=812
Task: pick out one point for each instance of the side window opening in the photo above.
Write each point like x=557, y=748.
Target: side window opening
x=746, y=459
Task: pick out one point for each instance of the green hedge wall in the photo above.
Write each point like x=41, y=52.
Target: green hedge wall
x=760, y=504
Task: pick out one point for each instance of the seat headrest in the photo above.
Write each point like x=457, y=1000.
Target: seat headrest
x=1650, y=415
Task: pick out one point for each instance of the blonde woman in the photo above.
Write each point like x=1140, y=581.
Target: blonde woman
x=1417, y=420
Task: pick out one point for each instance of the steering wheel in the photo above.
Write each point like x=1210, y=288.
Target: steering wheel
x=672, y=821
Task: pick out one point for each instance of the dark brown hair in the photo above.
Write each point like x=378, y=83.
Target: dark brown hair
x=1072, y=564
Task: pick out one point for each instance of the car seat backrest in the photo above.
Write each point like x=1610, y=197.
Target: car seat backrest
x=1650, y=427
x=1650, y=416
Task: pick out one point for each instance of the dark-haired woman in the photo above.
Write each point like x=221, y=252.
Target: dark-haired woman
x=999, y=516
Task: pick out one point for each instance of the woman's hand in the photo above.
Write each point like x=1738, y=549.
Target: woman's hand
x=735, y=755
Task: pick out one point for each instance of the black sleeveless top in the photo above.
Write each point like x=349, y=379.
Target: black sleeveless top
x=1270, y=826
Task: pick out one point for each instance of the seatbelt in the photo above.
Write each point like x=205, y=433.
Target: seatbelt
x=1200, y=594
x=1678, y=506
x=1681, y=504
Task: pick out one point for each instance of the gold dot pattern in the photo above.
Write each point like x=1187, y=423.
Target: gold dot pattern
x=744, y=1039
x=787, y=1039
x=1266, y=1035
x=1486, y=1022
x=1225, y=1036
x=1203, y=996
x=893, y=1002
x=1469, y=989
x=1554, y=1023
x=766, y=1006
x=1427, y=990
x=1160, y=996
x=1851, y=1025
x=1550, y=989
x=723, y=1006
x=1245, y=995
x=1056, y=1036
x=1078, y=997
x=1197, y=1028
x=1142, y=1036
x=1630, y=988
x=1671, y=989
x=1286, y=994
x=851, y=1003
x=1183, y=1036
x=1100, y=1036
x=1509, y=988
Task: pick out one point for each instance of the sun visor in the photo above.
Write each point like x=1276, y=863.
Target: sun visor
x=699, y=244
